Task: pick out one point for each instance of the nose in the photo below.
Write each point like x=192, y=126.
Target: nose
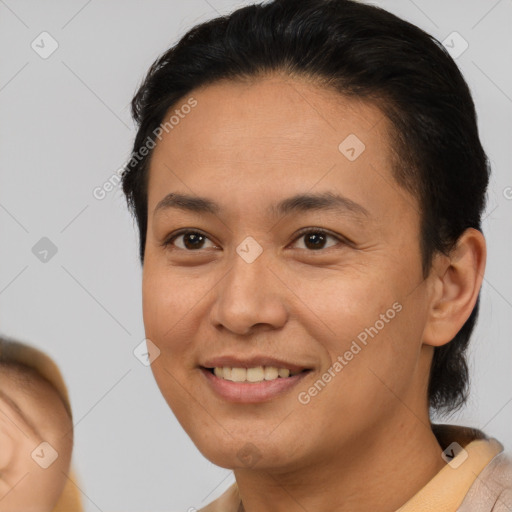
x=249, y=297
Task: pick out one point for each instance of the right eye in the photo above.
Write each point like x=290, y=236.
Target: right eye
x=192, y=240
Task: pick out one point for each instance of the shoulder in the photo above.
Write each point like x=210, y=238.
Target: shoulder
x=504, y=501
x=492, y=489
x=499, y=470
x=501, y=476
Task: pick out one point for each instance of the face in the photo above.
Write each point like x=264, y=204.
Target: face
x=287, y=326
x=31, y=473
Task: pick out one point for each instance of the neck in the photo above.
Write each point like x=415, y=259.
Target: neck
x=380, y=470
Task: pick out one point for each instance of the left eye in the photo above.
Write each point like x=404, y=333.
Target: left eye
x=315, y=239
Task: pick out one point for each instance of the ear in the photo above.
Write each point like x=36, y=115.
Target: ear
x=457, y=279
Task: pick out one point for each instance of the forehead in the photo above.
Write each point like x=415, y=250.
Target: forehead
x=272, y=112
x=254, y=140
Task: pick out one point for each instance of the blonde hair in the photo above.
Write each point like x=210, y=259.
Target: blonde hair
x=19, y=354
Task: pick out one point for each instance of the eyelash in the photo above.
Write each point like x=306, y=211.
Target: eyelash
x=306, y=231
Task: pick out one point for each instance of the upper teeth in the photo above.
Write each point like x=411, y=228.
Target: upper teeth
x=257, y=374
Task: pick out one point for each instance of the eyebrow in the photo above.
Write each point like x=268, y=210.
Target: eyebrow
x=13, y=405
x=297, y=203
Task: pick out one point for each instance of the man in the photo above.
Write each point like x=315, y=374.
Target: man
x=308, y=183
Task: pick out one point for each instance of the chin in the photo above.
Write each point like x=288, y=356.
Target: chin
x=244, y=452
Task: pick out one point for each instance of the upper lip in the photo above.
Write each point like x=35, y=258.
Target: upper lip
x=252, y=362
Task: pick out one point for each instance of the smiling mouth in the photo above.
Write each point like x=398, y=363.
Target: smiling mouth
x=254, y=374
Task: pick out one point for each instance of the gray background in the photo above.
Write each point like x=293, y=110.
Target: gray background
x=66, y=128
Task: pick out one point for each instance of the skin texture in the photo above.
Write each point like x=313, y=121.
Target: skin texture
x=25, y=486
x=364, y=442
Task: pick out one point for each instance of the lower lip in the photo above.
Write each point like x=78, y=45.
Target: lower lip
x=251, y=392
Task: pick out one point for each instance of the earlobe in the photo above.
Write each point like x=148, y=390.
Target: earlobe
x=458, y=279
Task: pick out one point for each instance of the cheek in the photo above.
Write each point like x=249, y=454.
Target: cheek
x=25, y=486
x=160, y=303
x=171, y=312
x=7, y=448
x=346, y=306
x=46, y=485
x=371, y=331
x=168, y=295
x=42, y=488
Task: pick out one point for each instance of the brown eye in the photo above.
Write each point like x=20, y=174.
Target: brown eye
x=189, y=241
x=316, y=239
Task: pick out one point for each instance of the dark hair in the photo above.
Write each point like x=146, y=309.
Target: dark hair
x=360, y=51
